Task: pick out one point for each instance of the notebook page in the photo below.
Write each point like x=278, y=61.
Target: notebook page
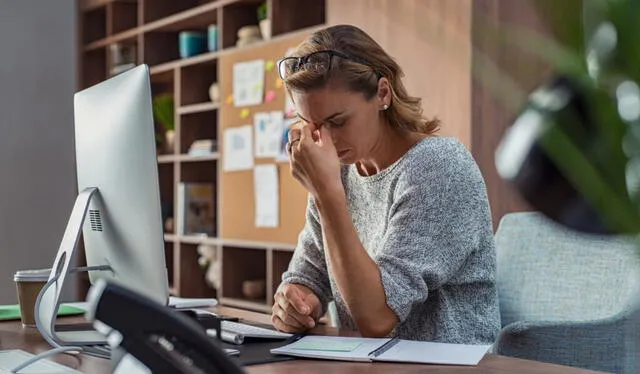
x=332, y=348
x=12, y=358
x=434, y=353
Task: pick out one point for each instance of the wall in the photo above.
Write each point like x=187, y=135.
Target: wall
x=431, y=41
x=37, y=175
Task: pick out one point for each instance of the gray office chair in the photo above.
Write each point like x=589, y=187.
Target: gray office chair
x=566, y=297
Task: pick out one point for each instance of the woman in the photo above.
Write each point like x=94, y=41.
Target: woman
x=398, y=228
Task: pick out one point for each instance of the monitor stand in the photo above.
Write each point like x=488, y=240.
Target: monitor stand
x=48, y=300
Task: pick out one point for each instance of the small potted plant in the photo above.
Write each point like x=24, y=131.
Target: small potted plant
x=264, y=21
x=163, y=111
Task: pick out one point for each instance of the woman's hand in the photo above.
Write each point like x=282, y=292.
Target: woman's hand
x=296, y=308
x=314, y=160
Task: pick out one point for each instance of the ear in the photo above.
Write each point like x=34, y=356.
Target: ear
x=384, y=92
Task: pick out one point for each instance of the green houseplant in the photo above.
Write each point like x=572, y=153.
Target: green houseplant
x=596, y=147
x=163, y=112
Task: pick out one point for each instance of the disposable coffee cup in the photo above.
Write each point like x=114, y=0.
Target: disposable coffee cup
x=28, y=285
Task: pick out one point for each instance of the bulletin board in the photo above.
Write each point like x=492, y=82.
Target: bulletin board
x=237, y=195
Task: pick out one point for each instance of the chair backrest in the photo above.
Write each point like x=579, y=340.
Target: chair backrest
x=546, y=272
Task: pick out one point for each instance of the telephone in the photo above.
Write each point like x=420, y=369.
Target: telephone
x=159, y=338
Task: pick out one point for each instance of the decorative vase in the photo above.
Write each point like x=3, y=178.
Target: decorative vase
x=169, y=140
x=253, y=289
x=265, y=29
x=248, y=35
x=214, y=92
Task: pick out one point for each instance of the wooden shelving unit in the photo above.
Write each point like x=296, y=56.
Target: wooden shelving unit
x=152, y=27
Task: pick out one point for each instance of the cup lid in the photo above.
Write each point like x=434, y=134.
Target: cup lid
x=37, y=275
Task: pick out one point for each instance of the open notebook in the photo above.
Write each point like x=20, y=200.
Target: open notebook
x=389, y=350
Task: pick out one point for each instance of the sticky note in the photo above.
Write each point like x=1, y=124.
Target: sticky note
x=270, y=96
x=244, y=113
x=278, y=83
x=229, y=99
x=332, y=346
x=269, y=65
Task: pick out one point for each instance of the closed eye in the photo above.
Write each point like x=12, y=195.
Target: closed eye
x=335, y=123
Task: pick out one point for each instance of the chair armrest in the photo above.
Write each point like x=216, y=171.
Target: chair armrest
x=596, y=345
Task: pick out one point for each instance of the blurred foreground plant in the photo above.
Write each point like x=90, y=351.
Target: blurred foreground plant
x=574, y=149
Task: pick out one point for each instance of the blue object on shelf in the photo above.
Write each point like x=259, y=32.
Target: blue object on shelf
x=212, y=36
x=191, y=43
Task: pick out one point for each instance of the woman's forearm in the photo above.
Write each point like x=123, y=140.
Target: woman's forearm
x=356, y=274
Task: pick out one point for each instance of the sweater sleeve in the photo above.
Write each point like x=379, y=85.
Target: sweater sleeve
x=437, y=219
x=308, y=265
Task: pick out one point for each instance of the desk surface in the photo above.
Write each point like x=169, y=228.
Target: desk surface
x=14, y=336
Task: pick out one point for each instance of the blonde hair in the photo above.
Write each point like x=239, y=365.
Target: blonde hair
x=405, y=111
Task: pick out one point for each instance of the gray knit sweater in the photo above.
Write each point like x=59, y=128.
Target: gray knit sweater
x=425, y=221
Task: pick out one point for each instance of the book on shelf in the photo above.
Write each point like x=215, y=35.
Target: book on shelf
x=202, y=147
x=196, y=209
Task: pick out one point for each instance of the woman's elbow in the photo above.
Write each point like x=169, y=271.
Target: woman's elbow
x=378, y=328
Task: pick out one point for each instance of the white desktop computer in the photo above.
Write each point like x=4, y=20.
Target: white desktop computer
x=118, y=205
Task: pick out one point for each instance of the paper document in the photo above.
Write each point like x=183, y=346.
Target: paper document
x=284, y=139
x=11, y=358
x=248, y=83
x=238, y=149
x=387, y=350
x=268, y=130
x=265, y=186
x=181, y=303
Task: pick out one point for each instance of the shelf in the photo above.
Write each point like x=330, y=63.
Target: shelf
x=289, y=35
x=259, y=306
x=212, y=56
x=166, y=159
x=285, y=247
x=187, y=19
x=198, y=108
x=196, y=17
x=129, y=35
x=195, y=239
x=88, y=5
x=153, y=28
x=170, y=238
x=195, y=60
x=188, y=158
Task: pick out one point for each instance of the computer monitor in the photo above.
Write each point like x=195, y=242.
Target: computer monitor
x=119, y=195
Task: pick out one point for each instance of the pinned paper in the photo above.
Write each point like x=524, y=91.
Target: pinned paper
x=229, y=99
x=244, y=113
x=283, y=156
x=265, y=180
x=268, y=132
x=248, y=83
x=269, y=65
x=238, y=150
x=278, y=83
x=270, y=96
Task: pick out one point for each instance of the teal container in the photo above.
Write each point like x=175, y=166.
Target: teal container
x=212, y=38
x=191, y=43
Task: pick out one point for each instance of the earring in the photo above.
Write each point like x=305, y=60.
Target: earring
x=385, y=107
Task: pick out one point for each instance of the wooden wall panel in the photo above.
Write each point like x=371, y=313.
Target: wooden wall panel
x=490, y=117
x=431, y=41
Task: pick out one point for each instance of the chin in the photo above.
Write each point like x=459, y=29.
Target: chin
x=347, y=158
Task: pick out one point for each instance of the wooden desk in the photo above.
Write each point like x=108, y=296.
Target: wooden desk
x=14, y=336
